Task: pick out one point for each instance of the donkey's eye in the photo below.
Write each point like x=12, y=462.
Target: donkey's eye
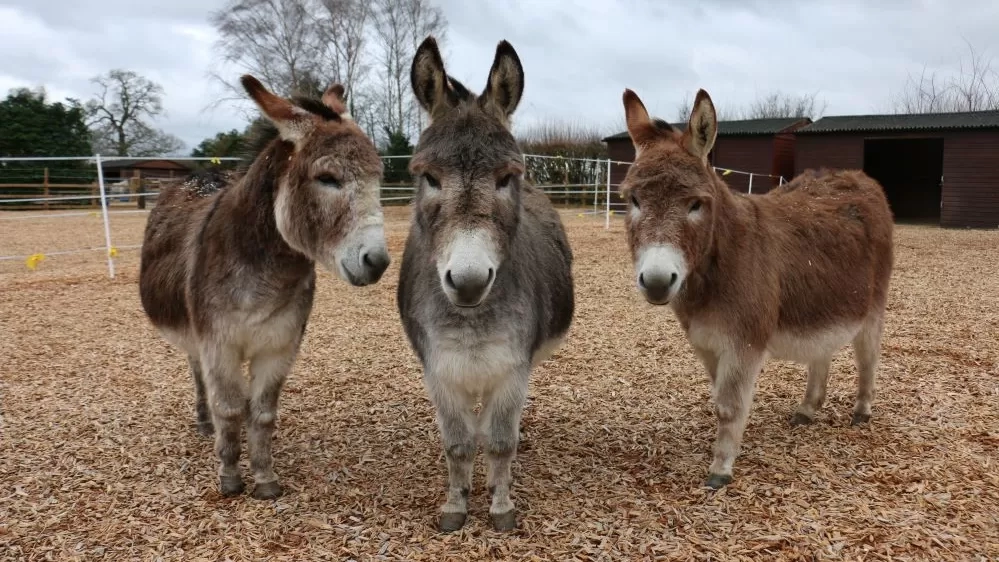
x=432, y=181
x=328, y=180
x=634, y=201
x=695, y=206
x=504, y=181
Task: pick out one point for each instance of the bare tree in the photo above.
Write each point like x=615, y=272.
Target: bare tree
x=424, y=19
x=974, y=86
x=686, y=104
x=393, y=39
x=299, y=46
x=343, y=27
x=779, y=104
x=773, y=105
x=119, y=116
x=276, y=40
x=400, y=26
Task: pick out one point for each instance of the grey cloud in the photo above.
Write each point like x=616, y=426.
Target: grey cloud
x=578, y=56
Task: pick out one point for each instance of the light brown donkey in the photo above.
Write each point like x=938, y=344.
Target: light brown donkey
x=794, y=274
x=228, y=267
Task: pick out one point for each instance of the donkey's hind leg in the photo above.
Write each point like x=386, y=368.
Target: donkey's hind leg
x=815, y=392
x=501, y=426
x=267, y=375
x=867, y=351
x=205, y=426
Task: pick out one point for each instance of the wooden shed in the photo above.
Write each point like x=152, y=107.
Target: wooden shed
x=760, y=146
x=940, y=168
x=158, y=169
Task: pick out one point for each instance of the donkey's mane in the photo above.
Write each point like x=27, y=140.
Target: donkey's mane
x=262, y=132
x=259, y=137
x=662, y=125
x=458, y=90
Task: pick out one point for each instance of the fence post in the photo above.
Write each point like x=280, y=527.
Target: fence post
x=750, y=182
x=136, y=187
x=607, y=217
x=596, y=187
x=104, y=211
x=45, y=188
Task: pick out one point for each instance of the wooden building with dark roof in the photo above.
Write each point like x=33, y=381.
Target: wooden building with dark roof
x=760, y=146
x=939, y=168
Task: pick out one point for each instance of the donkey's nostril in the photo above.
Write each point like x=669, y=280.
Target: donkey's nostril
x=448, y=280
x=366, y=259
x=672, y=279
x=641, y=280
x=491, y=274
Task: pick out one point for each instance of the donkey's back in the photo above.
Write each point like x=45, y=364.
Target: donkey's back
x=831, y=242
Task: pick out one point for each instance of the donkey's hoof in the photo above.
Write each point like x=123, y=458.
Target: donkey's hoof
x=718, y=481
x=206, y=429
x=450, y=522
x=800, y=419
x=504, y=521
x=231, y=485
x=267, y=491
x=860, y=418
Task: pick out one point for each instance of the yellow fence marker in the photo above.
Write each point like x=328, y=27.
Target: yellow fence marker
x=113, y=252
x=726, y=172
x=32, y=261
x=216, y=160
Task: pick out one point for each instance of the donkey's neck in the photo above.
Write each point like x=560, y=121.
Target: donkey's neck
x=250, y=206
x=734, y=229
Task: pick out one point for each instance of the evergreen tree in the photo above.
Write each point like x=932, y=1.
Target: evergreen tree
x=397, y=169
x=31, y=126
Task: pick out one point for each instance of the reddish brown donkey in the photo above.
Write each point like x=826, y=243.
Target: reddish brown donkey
x=794, y=274
x=228, y=268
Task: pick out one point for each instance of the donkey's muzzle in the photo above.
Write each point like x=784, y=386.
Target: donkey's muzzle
x=656, y=286
x=375, y=261
x=363, y=258
x=468, y=285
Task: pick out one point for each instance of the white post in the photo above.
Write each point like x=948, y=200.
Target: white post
x=607, y=218
x=596, y=187
x=750, y=183
x=104, y=211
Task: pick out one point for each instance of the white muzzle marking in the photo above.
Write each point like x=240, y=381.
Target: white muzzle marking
x=660, y=272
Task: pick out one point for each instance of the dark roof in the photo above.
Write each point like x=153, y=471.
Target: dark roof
x=741, y=127
x=905, y=122
x=138, y=162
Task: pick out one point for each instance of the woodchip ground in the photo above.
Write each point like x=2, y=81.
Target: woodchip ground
x=99, y=459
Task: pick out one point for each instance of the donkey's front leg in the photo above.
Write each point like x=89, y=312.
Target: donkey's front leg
x=268, y=372
x=734, y=385
x=456, y=421
x=501, y=424
x=227, y=402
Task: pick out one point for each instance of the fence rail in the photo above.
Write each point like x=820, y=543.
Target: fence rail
x=585, y=182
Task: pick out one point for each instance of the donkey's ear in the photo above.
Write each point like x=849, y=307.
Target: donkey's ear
x=641, y=129
x=699, y=138
x=291, y=121
x=333, y=98
x=506, y=81
x=428, y=77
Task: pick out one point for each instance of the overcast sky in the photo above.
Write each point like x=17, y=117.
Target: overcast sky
x=578, y=55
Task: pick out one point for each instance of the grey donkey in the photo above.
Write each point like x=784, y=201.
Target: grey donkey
x=485, y=288
x=228, y=267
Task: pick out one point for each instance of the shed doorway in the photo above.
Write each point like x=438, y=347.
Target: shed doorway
x=910, y=171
